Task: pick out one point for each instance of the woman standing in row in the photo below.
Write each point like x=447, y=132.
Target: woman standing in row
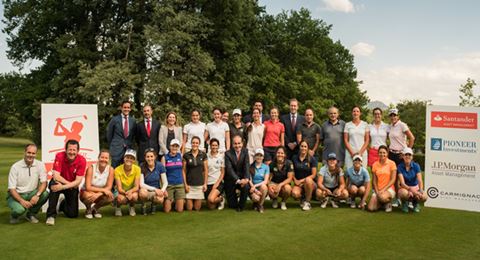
x=255, y=133
x=378, y=135
x=274, y=135
x=171, y=130
x=356, y=137
x=194, y=128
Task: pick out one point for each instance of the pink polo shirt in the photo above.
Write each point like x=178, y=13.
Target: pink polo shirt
x=273, y=131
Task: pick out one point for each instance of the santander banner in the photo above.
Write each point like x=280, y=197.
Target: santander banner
x=452, y=157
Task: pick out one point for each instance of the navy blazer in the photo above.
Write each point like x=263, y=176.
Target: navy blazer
x=143, y=141
x=236, y=169
x=290, y=133
x=116, y=141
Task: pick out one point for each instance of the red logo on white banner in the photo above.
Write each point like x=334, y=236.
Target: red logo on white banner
x=454, y=120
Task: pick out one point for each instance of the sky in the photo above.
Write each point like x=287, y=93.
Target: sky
x=404, y=50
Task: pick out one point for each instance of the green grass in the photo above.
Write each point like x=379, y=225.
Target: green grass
x=320, y=233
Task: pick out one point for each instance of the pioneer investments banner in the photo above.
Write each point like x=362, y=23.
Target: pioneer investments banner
x=452, y=159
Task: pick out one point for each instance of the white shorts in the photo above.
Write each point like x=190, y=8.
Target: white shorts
x=392, y=192
x=196, y=193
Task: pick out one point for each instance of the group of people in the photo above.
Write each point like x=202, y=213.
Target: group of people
x=222, y=162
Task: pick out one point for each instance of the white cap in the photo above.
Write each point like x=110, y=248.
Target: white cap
x=259, y=151
x=357, y=157
x=131, y=152
x=407, y=150
x=175, y=142
x=393, y=111
x=237, y=111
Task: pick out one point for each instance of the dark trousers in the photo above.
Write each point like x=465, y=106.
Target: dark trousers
x=396, y=157
x=69, y=206
x=230, y=191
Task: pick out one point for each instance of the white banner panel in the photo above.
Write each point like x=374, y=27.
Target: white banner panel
x=452, y=157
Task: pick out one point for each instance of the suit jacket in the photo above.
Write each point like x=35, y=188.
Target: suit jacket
x=290, y=133
x=116, y=141
x=248, y=118
x=162, y=137
x=143, y=141
x=236, y=169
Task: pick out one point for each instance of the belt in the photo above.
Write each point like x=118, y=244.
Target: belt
x=395, y=151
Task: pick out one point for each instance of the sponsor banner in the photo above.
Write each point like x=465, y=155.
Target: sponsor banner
x=452, y=159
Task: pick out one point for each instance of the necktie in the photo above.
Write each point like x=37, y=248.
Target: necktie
x=125, y=127
x=148, y=127
x=238, y=156
x=294, y=122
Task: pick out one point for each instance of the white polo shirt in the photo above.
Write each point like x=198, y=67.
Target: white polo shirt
x=218, y=131
x=25, y=179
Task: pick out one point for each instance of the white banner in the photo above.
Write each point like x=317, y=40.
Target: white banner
x=452, y=157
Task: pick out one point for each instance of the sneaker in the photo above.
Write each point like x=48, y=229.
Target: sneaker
x=396, y=202
x=405, y=207
x=416, y=209
x=388, y=207
x=50, y=221
x=221, y=206
x=334, y=204
x=95, y=213
x=410, y=205
x=274, y=203
x=131, y=211
x=153, y=208
x=353, y=204
x=32, y=219
x=324, y=203
x=283, y=205
x=118, y=212
x=260, y=208
x=302, y=203
x=88, y=213
x=306, y=206
x=13, y=220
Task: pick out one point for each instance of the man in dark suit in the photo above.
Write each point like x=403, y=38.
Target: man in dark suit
x=291, y=121
x=248, y=118
x=237, y=174
x=146, y=133
x=120, y=134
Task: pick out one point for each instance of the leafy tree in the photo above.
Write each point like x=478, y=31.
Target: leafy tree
x=468, y=97
x=413, y=113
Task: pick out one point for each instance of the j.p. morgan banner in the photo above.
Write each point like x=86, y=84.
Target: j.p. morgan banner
x=452, y=159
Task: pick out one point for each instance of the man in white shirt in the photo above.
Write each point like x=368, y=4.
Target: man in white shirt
x=27, y=183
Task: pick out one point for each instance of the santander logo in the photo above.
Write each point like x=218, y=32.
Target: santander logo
x=454, y=120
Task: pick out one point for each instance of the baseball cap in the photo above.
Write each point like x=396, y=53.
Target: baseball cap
x=393, y=111
x=357, y=157
x=407, y=150
x=259, y=151
x=131, y=152
x=237, y=111
x=175, y=142
x=332, y=156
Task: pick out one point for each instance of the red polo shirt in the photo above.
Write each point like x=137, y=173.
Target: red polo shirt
x=69, y=170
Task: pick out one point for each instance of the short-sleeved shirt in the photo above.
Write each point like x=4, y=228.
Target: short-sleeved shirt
x=356, y=134
x=152, y=178
x=378, y=135
x=330, y=180
x=309, y=133
x=237, y=131
x=358, y=178
x=255, y=137
x=273, y=131
x=194, y=166
x=332, y=138
x=25, y=179
x=383, y=171
x=303, y=168
x=409, y=176
x=218, y=131
x=215, y=165
x=192, y=130
x=69, y=170
x=397, y=136
x=259, y=172
x=173, y=167
x=128, y=181
x=281, y=174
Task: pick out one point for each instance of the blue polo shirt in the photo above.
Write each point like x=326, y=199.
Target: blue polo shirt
x=259, y=172
x=152, y=178
x=330, y=180
x=173, y=166
x=303, y=168
x=410, y=176
x=358, y=178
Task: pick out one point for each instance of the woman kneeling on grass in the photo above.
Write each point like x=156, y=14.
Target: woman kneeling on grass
x=305, y=168
x=281, y=175
x=153, y=175
x=216, y=171
x=358, y=183
x=331, y=183
x=176, y=188
x=97, y=189
x=384, y=173
x=127, y=178
x=195, y=174
x=260, y=173
x=410, y=182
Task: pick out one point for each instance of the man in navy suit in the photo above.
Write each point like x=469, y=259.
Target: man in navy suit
x=263, y=117
x=120, y=133
x=291, y=121
x=237, y=174
x=146, y=133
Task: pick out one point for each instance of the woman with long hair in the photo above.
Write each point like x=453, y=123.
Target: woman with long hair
x=305, y=169
x=384, y=172
x=281, y=175
x=255, y=132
